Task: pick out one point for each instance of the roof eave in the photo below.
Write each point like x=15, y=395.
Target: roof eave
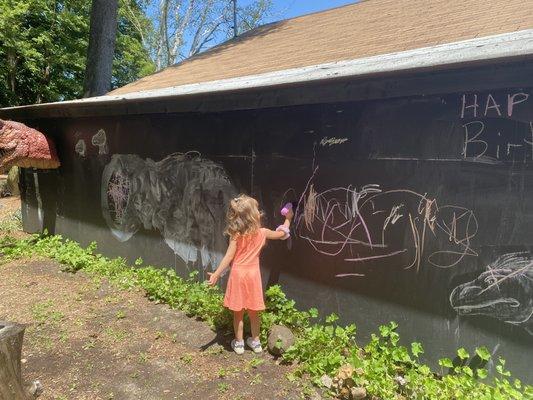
x=487, y=49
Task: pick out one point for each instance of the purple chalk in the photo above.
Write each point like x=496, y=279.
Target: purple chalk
x=286, y=208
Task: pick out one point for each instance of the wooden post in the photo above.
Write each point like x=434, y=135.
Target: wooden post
x=11, y=384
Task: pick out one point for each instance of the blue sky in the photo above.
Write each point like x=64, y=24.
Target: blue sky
x=292, y=8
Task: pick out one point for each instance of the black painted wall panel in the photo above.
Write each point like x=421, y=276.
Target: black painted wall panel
x=414, y=209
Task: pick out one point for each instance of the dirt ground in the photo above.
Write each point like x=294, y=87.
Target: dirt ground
x=86, y=339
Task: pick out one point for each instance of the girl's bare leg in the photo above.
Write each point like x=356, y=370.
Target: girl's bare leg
x=238, y=324
x=255, y=322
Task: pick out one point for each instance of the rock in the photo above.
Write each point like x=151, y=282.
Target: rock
x=349, y=382
x=326, y=381
x=346, y=371
x=35, y=389
x=400, y=380
x=344, y=394
x=359, y=371
x=280, y=338
x=358, y=393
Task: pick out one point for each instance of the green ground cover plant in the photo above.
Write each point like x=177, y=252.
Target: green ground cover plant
x=325, y=351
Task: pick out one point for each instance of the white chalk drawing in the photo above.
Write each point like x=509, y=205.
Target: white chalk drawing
x=183, y=196
x=365, y=224
x=504, y=290
x=80, y=148
x=40, y=215
x=489, y=142
x=477, y=106
x=331, y=141
x=100, y=140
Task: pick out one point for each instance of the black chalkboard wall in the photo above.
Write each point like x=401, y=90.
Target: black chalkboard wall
x=416, y=209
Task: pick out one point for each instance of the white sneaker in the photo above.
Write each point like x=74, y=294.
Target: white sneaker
x=254, y=345
x=238, y=347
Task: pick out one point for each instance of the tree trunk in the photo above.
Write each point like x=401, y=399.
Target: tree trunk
x=11, y=386
x=101, y=50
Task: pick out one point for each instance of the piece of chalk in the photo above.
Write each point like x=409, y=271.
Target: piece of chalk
x=286, y=208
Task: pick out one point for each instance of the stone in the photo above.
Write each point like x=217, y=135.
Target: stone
x=346, y=371
x=280, y=338
x=349, y=382
x=344, y=394
x=326, y=381
x=400, y=380
x=358, y=393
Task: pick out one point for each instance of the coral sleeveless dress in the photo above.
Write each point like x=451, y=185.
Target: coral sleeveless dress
x=244, y=289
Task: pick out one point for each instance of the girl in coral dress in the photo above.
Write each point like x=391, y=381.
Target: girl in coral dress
x=244, y=290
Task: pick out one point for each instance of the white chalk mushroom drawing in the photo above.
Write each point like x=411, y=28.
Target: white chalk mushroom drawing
x=183, y=196
x=80, y=148
x=100, y=140
x=503, y=291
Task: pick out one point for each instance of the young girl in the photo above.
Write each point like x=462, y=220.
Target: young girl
x=244, y=290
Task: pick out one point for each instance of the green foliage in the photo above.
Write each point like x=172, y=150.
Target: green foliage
x=320, y=348
x=282, y=311
x=383, y=366
x=43, y=49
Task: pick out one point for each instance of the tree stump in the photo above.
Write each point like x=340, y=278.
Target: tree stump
x=11, y=384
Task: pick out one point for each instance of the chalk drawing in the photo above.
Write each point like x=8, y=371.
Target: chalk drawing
x=330, y=141
x=475, y=106
x=371, y=223
x=183, y=196
x=40, y=215
x=482, y=145
x=504, y=290
x=100, y=140
x=489, y=140
x=80, y=148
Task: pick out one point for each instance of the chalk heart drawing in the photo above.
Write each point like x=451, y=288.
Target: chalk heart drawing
x=183, y=196
x=371, y=224
x=504, y=290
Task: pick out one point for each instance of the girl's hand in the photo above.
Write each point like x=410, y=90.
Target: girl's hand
x=290, y=214
x=213, y=278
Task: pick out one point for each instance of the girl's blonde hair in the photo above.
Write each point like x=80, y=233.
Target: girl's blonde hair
x=243, y=216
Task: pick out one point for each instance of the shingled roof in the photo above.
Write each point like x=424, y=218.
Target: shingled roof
x=357, y=31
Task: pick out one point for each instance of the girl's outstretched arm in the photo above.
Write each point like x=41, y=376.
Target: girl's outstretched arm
x=224, y=264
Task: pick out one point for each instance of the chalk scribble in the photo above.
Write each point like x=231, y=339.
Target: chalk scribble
x=371, y=223
x=183, y=196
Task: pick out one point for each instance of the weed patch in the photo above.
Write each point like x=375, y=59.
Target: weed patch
x=324, y=351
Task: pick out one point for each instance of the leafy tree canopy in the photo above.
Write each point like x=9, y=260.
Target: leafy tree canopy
x=43, y=48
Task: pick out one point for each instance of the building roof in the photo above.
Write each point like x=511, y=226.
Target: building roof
x=363, y=45
x=362, y=30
